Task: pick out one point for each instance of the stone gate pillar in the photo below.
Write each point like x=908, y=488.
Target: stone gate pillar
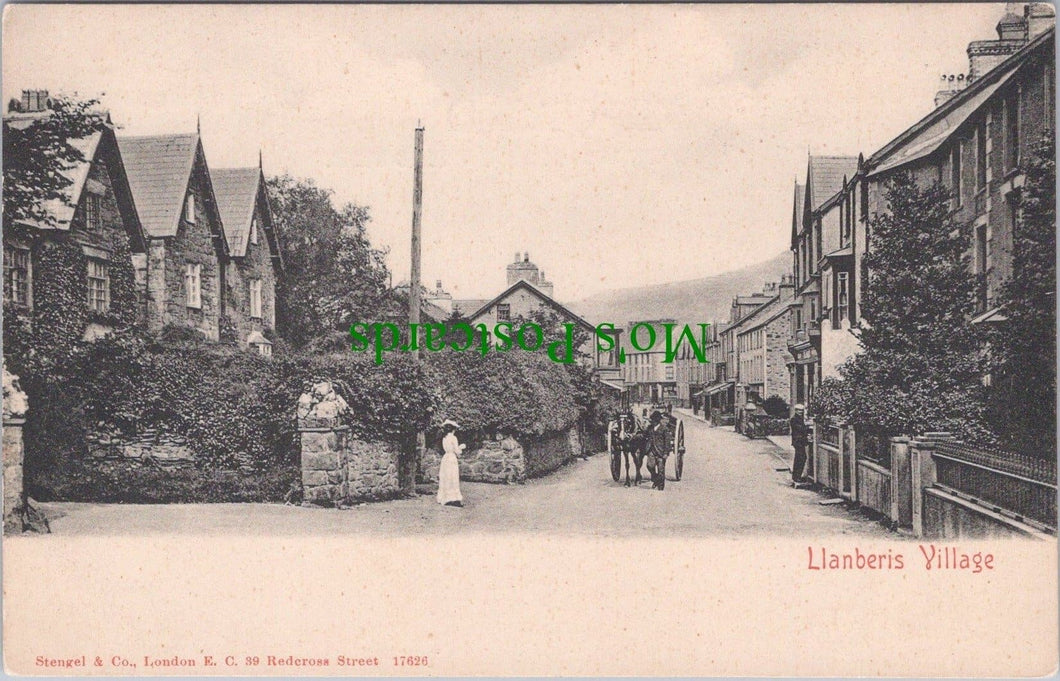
x=322, y=436
x=15, y=407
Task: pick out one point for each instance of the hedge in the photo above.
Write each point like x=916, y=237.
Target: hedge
x=235, y=410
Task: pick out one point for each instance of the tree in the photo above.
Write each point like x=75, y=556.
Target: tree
x=334, y=276
x=1022, y=405
x=38, y=154
x=922, y=362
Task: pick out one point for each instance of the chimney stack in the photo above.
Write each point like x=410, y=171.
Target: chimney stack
x=1040, y=17
x=35, y=100
x=517, y=256
x=438, y=284
x=526, y=256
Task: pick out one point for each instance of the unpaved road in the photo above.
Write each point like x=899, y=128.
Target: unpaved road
x=730, y=487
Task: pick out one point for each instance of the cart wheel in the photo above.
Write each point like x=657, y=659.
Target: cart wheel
x=614, y=454
x=679, y=449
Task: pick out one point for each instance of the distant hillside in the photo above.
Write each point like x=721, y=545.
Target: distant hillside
x=693, y=301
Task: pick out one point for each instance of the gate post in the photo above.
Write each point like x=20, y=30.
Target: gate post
x=324, y=452
x=15, y=407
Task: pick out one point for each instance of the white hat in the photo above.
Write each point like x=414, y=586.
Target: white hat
x=450, y=422
x=800, y=406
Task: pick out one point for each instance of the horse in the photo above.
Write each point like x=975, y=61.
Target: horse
x=629, y=439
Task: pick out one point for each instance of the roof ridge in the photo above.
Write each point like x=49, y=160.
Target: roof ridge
x=161, y=136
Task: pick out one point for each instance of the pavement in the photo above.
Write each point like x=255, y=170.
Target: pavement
x=731, y=487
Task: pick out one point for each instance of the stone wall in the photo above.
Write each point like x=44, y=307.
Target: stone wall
x=193, y=243
x=336, y=468
x=495, y=461
x=371, y=470
x=324, y=481
x=15, y=406
x=778, y=377
x=13, y=454
x=547, y=453
x=257, y=264
x=150, y=443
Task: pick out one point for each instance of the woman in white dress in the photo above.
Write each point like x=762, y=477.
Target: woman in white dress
x=449, y=470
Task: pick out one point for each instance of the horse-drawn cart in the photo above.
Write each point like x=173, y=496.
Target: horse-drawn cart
x=626, y=440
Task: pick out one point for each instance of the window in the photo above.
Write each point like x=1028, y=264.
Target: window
x=93, y=213
x=842, y=298
x=254, y=230
x=193, y=285
x=504, y=312
x=16, y=275
x=1012, y=129
x=982, y=263
x=189, y=208
x=255, y=298
x=956, y=185
x=98, y=286
x=980, y=155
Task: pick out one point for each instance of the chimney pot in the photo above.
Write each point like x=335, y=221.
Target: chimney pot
x=526, y=256
x=438, y=284
x=517, y=256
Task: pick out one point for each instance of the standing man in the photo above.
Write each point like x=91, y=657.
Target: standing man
x=800, y=437
x=657, y=450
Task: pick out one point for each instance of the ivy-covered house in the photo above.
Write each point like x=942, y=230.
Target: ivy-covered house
x=69, y=259
x=187, y=253
x=255, y=265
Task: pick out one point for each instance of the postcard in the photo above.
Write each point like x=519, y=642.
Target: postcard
x=529, y=340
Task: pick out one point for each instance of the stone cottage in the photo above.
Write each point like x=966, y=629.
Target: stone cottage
x=97, y=216
x=187, y=253
x=255, y=265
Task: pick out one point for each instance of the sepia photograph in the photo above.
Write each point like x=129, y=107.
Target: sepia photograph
x=529, y=340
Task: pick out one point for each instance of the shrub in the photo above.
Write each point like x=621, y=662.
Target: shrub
x=516, y=393
x=776, y=406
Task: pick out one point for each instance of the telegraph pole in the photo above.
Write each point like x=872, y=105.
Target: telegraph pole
x=414, y=288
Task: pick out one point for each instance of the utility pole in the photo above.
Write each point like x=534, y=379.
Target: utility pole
x=414, y=289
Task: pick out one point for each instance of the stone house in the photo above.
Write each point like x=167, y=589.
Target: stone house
x=976, y=142
x=645, y=374
x=528, y=293
x=761, y=339
x=254, y=265
x=822, y=262
x=187, y=252
x=96, y=215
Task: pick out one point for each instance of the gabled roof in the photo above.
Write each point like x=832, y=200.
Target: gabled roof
x=796, y=215
x=100, y=145
x=522, y=283
x=159, y=169
x=237, y=195
x=824, y=177
x=465, y=306
x=238, y=192
x=930, y=132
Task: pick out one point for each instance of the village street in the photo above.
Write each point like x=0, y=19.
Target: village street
x=730, y=487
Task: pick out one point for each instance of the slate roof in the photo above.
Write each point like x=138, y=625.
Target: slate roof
x=62, y=211
x=796, y=217
x=237, y=193
x=98, y=147
x=824, y=177
x=159, y=168
x=929, y=133
x=523, y=283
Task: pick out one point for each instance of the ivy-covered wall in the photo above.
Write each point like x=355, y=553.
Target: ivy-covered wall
x=257, y=264
x=193, y=243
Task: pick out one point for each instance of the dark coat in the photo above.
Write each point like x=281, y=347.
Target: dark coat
x=800, y=432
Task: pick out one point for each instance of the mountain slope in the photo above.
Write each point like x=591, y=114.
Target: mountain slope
x=692, y=301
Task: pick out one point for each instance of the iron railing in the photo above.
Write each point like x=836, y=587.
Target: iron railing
x=1013, y=484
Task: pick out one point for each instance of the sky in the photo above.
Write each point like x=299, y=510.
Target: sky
x=618, y=145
